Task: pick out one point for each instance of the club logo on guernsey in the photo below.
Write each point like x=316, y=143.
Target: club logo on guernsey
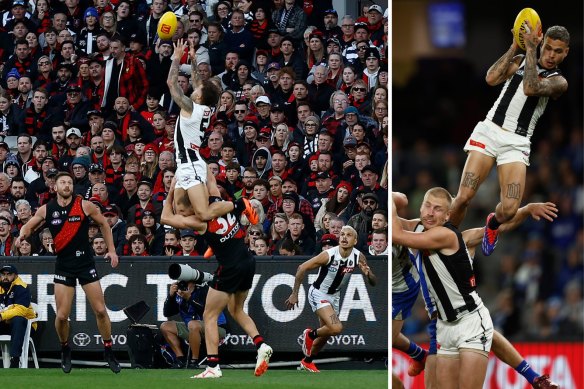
x=56, y=214
x=75, y=219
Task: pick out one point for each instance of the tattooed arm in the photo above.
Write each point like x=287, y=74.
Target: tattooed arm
x=184, y=102
x=505, y=66
x=533, y=85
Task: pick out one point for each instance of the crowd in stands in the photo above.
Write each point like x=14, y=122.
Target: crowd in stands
x=301, y=127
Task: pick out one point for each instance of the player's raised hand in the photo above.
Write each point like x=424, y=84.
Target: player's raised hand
x=193, y=54
x=179, y=50
x=532, y=36
x=292, y=301
x=548, y=211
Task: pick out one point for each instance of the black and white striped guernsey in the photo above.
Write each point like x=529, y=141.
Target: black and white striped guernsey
x=190, y=132
x=451, y=280
x=516, y=112
x=335, y=274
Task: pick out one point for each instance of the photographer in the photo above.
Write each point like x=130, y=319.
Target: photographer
x=188, y=300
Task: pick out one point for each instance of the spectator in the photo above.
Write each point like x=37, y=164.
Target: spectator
x=171, y=243
x=98, y=245
x=132, y=82
x=337, y=203
x=138, y=245
x=290, y=20
x=80, y=169
x=16, y=299
x=328, y=241
x=188, y=241
x=288, y=248
x=46, y=248
x=361, y=222
x=378, y=242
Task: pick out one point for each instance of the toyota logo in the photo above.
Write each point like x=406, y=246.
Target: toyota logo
x=81, y=339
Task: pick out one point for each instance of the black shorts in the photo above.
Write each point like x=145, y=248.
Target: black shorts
x=85, y=276
x=234, y=277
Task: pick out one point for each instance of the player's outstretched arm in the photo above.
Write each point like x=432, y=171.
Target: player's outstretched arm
x=184, y=102
x=505, y=66
x=366, y=270
x=91, y=210
x=400, y=200
x=320, y=260
x=170, y=218
x=31, y=226
x=548, y=211
x=437, y=238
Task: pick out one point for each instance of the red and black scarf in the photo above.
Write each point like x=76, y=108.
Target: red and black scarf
x=33, y=120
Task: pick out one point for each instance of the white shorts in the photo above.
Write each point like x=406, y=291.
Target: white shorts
x=505, y=146
x=318, y=299
x=472, y=331
x=189, y=174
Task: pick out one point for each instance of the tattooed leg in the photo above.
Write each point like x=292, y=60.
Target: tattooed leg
x=512, y=183
x=475, y=171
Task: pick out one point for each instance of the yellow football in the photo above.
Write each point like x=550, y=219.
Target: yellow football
x=525, y=15
x=167, y=25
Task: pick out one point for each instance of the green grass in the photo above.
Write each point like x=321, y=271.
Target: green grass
x=128, y=378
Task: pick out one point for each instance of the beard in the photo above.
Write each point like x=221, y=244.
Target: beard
x=98, y=150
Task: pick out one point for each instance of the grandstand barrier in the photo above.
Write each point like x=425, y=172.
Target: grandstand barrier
x=562, y=361
x=363, y=309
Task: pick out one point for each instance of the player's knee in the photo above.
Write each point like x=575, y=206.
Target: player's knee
x=508, y=210
x=101, y=313
x=336, y=329
x=209, y=316
x=62, y=316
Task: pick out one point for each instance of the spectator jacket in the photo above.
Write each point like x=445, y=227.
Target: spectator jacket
x=16, y=301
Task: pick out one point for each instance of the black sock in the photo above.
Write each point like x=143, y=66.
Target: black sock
x=258, y=340
x=213, y=360
x=493, y=223
x=308, y=359
x=182, y=359
x=312, y=334
x=238, y=207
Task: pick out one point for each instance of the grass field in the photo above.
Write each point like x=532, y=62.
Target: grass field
x=128, y=378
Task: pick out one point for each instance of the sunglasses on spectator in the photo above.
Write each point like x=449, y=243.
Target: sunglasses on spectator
x=255, y=233
x=362, y=48
x=240, y=111
x=359, y=89
x=369, y=202
x=310, y=125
